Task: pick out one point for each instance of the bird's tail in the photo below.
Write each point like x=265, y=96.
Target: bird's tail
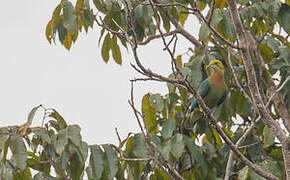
x=193, y=105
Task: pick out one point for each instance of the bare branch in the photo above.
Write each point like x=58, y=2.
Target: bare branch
x=152, y=37
x=211, y=11
x=279, y=89
x=182, y=31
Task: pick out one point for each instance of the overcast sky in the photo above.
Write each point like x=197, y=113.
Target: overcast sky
x=77, y=83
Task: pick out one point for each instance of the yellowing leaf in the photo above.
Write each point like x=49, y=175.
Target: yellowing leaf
x=179, y=61
x=219, y=3
x=48, y=31
x=150, y=114
x=75, y=36
x=183, y=16
x=106, y=48
x=116, y=52
x=68, y=41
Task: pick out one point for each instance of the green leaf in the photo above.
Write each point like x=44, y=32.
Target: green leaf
x=269, y=137
x=244, y=173
x=268, y=166
x=24, y=175
x=89, y=17
x=157, y=102
x=19, y=153
x=266, y=52
x=96, y=162
x=111, y=161
x=31, y=115
x=43, y=134
x=171, y=87
x=216, y=18
x=204, y=32
x=196, y=153
x=195, y=74
x=150, y=114
x=137, y=146
x=116, y=52
x=284, y=16
x=34, y=164
x=61, y=141
x=166, y=21
x=201, y=5
x=276, y=154
x=74, y=134
x=60, y=121
x=167, y=128
x=76, y=165
x=43, y=176
x=100, y=5
x=106, y=48
x=228, y=26
x=70, y=18
x=177, y=145
x=4, y=136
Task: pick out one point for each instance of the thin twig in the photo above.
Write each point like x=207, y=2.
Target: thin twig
x=236, y=78
x=279, y=89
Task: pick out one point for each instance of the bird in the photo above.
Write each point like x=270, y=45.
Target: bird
x=213, y=90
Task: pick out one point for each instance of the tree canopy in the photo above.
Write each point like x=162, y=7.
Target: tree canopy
x=246, y=137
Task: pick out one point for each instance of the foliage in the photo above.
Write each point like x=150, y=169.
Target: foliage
x=190, y=146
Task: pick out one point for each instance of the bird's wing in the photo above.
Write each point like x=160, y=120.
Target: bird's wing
x=223, y=97
x=203, y=91
x=204, y=88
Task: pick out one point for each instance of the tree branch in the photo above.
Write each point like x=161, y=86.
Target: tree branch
x=252, y=81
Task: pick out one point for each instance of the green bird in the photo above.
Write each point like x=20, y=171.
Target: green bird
x=213, y=90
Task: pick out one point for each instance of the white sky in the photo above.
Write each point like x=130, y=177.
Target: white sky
x=77, y=83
